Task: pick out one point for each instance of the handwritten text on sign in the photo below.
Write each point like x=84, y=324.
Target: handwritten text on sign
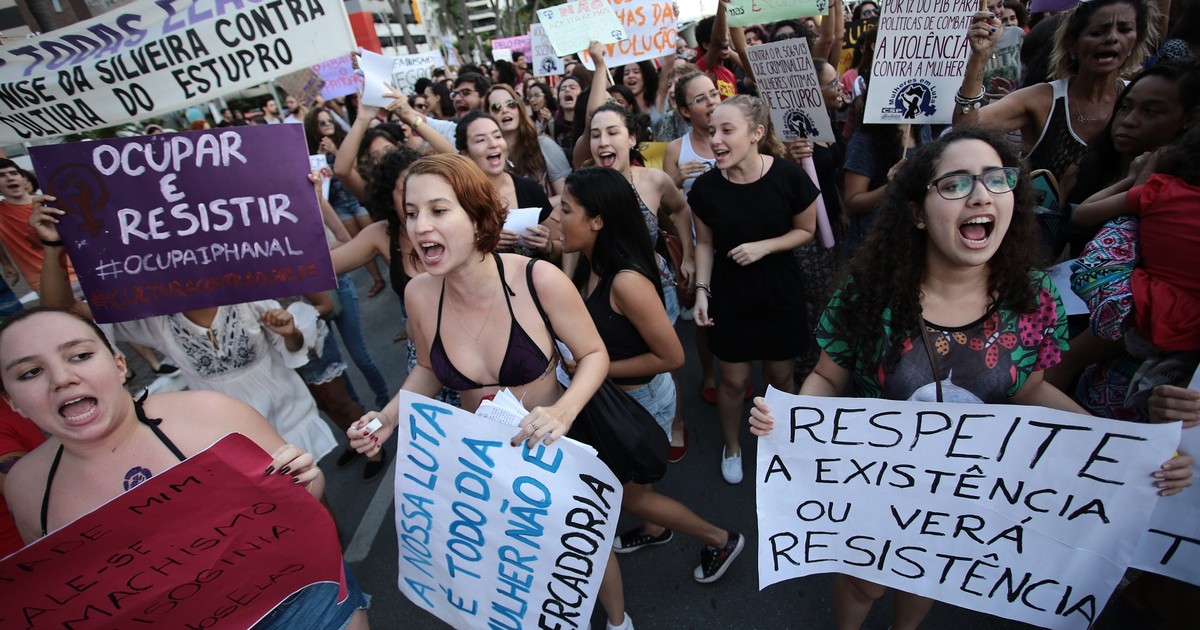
x=545, y=61
x=210, y=541
x=520, y=42
x=920, y=58
x=339, y=76
x=493, y=535
x=1021, y=512
x=748, y=12
x=161, y=224
x=149, y=58
x=787, y=82
x=649, y=29
x=573, y=26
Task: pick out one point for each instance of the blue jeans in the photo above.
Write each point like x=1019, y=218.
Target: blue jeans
x=349, y=328
x=316, y=607
x=658, y=397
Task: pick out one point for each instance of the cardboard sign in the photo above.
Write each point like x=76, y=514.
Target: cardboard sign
x=787, y=83
x=573, y=26
x=920, y=58
x=750, y=12
x=1171, y=545
x=210, y=542
x=650, y=33
x=150, y=58
x=1022, y=512
x=511, y=44
x=166, y=223
x=304, y=84
x=400, y=72
x=493, y=535
x=339, y=77
x=545, y=62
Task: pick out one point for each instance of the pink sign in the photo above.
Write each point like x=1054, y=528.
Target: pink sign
x=211, y=541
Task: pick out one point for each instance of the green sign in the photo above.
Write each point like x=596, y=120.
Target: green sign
x=748, y=12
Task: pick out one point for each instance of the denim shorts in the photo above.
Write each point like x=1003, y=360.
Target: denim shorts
x=316, y=607
x=658, y=397
x=670, y=293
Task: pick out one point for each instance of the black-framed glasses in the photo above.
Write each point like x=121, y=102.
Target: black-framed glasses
x=463, y=92
x=498, y=107
x=713, y=96
x=959, y=185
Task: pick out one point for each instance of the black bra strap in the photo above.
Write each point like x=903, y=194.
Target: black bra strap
x=536, y=302
x=153, y=424
x=49, y=484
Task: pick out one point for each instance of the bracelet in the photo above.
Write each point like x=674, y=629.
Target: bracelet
x=58, y=243
x=416, y=122
x=703, y=286
x=969, y=103
x=549, y=248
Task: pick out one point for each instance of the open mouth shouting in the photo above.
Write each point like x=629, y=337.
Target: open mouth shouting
x=431, y=252
x=78, y=411
x=976, y=232
x=606, y=159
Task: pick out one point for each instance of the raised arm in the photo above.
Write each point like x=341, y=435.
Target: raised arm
x=600, y=81
x=345, y=164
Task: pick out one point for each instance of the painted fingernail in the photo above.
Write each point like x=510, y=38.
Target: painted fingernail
x=295, y=480
x=284, y=470
x=270, y=469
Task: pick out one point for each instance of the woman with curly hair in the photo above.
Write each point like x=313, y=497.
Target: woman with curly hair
x=533, y=155
x=946, y=274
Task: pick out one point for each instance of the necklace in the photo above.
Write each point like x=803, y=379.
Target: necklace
x=487, y=317
x=1079, y=117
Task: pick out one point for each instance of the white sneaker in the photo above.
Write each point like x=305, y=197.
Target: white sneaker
x=731, y=468
x=625, y=625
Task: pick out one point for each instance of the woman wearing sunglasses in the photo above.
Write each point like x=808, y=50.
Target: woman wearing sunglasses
x=945, y=272
x=533, y=155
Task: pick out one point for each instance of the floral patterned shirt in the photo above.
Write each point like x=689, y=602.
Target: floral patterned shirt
x=986, y=361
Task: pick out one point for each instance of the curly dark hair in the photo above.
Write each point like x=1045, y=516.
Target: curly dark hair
x=632, y=125
x=382, y=184
x=649, y=82
x=887, y=271
x=1178, y=159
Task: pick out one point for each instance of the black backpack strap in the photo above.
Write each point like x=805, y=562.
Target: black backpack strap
x=537, y=302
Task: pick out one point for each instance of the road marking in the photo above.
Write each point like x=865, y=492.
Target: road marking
x=372, y=519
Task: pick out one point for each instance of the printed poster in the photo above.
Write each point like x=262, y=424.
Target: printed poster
x=544, y=61
x=573, y=26
x=787, y=82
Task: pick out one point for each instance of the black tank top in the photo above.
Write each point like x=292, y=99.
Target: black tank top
x=621, y=337
x=141, y=416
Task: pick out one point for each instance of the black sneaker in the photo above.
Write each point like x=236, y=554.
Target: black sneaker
x=346, y=457
x=166, y=369
x=373, y=470
x=636, y=539
x=714, y=562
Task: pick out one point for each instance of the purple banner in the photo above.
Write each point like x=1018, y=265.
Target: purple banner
x=167, y=223
x=520, y=42
x=340, y=78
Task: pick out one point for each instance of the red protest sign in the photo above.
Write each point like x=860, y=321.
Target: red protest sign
x=210, y=542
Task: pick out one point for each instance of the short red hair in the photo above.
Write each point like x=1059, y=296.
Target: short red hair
x=474, y=192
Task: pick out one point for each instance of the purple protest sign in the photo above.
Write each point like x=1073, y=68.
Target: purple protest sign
x=520, y=42
x=166, y=223
x=339, y=76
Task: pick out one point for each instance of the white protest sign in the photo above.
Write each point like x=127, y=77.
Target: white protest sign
x=545, y=62
x=649, y=33
x=920, y=58
x=320, y=164
x=493, y=535
x=787, y=82
x=502, y=54
x=521, y=219
x=339, y=76
x=1171, y=545
x=150, y=58
x=401, y=72
x=695, y=10
x=1022, y=512
x=573, y=26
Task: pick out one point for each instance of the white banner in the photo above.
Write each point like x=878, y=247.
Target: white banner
x=151, y=58
x=401, y=72
x=573, y=26
x=649, y=33
x=920, y=58
x=1022, y=512
x=787, y=83
x=493, y=535
x=1171, y=545
x=545, y=62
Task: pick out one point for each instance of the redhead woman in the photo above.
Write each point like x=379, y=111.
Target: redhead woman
x=475, y=325
x=60, y=372
x=948, y=258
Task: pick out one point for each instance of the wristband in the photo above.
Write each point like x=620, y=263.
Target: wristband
x=969, y=103
x=703, y=286
x=57, y=243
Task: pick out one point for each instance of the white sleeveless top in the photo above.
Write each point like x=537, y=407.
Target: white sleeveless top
x=688, y=154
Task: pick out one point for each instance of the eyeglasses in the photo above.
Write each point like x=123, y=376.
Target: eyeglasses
x=322, y=122
x=959, y=185
x=421, y=105
x=832, y=84
x=463, y=92
x=714, y=96
x=498, y=107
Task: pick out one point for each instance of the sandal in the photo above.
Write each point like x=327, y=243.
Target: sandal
x=376, y=288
